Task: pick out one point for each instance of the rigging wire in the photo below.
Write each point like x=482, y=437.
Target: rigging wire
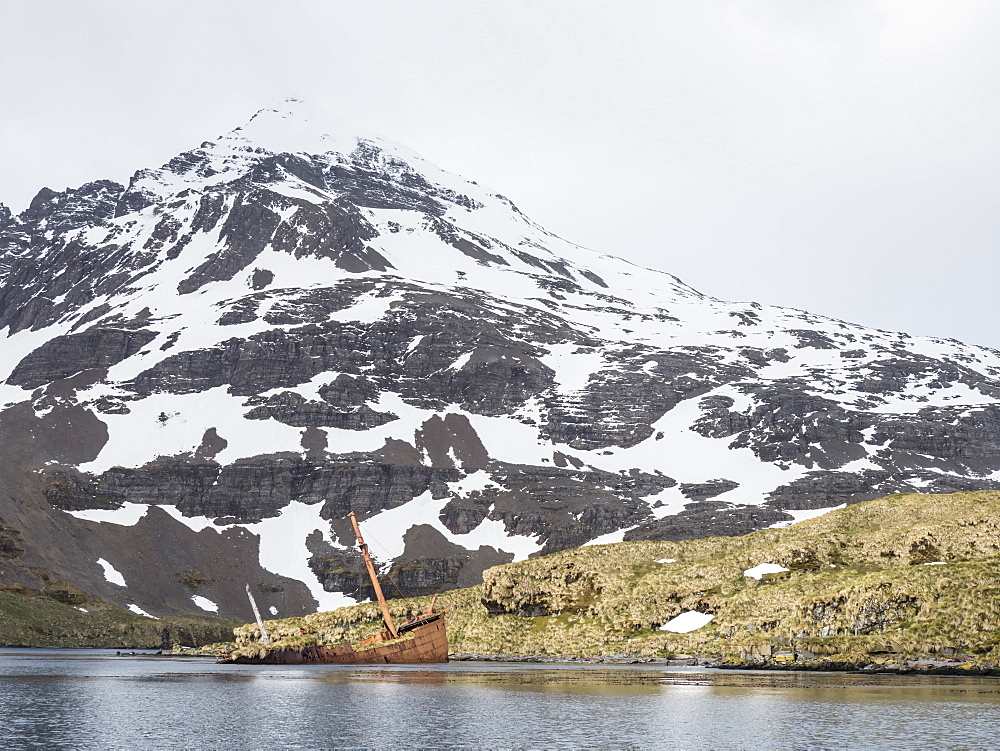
x=369, y=536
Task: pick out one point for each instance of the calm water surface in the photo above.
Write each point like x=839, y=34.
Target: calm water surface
x=91, y=699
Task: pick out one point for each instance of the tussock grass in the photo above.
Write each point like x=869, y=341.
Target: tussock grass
x=856, y=587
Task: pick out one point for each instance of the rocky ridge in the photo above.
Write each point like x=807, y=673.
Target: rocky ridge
x=299, y=319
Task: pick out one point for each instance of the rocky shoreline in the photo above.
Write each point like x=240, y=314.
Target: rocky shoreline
x=900, y=666
x=576, y=659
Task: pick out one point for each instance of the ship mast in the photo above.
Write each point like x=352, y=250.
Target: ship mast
x=371, y=573
x=265, y=639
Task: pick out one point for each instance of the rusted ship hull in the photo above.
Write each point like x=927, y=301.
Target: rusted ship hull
x=421, y=644
x=420, y=640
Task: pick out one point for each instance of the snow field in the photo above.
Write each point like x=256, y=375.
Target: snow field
x=283, y=549
x=572, y=366
x=387, y=528
x=689, y=457
x=172, y=424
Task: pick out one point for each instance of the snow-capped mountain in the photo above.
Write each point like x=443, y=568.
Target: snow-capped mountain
x=205, y=371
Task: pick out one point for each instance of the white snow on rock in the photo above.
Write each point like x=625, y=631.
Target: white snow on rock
x=194, y=523
x=803, y=514
x=176, y=423
x=573, y=366
x=608, y=539
x=512, y=441
x=385, y=530
x=139, y=611
x=283, y=549
x=461, y=362
x=667, y=502
x=16, y=346
x=665, y=560
x=110, y=573
x=126, y=516
x=10, y=395
x=367, y=308
x=764, y=568
x=475, y=482
x=205, y=604
x=689, y=457
x=690, y=620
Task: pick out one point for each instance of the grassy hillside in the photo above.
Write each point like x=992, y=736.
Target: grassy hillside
x=41, y=620
x=857, y=586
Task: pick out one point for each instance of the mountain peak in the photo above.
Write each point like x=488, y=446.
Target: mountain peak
x=293, y=126
x=297, y=126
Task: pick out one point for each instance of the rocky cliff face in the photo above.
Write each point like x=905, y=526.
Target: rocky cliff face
x=207, y=369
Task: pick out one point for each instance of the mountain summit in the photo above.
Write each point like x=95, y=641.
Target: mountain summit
x=203, y=372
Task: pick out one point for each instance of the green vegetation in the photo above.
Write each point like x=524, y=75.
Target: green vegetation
x=10, y=541
x=29, y=618
x=857, y=588
x=194, y=580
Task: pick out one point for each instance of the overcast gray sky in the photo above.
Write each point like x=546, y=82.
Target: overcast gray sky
x=839, y=156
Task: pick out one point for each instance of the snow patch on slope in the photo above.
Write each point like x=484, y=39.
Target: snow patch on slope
x=386, y=530
x=173, y=424
x=282, y=541
x=139, y=611
x=283, y=549
x=609, y=538
x=801, y=515
x=111, y=573
x=573, y=366
x=757, y=572
x=127, y=516
x=205, y=604
x=690, y=457
x=686, y=622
